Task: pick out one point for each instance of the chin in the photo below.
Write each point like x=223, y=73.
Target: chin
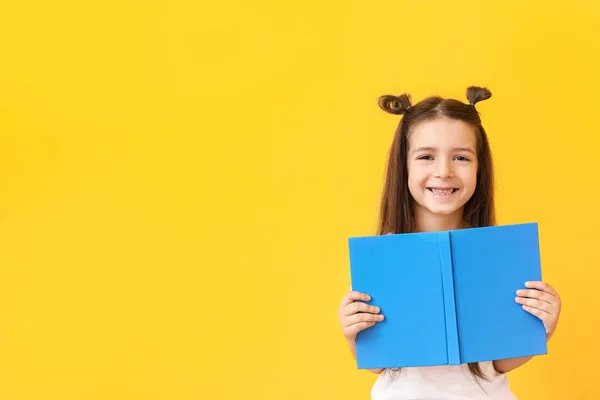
x=443, y=210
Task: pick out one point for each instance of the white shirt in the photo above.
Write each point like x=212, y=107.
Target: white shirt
x=447, y=382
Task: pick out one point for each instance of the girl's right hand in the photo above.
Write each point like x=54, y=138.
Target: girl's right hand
x=356, y=316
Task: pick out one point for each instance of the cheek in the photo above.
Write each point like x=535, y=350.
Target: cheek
x=415, y=177
x=416, y=183
x=470, y=178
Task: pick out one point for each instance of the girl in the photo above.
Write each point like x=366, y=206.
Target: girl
x=439, y=177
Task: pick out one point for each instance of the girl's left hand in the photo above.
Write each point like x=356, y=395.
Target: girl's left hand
x=542, y=301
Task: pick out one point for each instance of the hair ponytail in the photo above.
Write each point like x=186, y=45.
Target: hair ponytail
x=476, y=94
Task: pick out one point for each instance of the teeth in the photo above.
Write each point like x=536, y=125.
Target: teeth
x=445, y=192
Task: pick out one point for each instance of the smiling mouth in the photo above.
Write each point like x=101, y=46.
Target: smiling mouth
x=442, y=192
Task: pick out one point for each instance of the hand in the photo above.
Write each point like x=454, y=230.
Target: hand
x=356, y=316
x=543, y=302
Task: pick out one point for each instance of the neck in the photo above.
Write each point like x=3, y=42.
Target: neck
x=428, y=222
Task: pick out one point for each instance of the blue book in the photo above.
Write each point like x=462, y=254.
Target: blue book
x=447, y=297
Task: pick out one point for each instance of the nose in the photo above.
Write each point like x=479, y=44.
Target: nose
x=443, y=169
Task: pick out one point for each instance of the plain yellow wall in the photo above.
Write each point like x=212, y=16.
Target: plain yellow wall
x=179, y=181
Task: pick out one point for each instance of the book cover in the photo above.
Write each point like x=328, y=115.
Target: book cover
x=447, y=297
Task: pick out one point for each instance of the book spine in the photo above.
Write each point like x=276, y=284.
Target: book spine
x=449, y=299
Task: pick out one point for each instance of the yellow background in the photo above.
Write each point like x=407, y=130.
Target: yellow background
x=179, y=180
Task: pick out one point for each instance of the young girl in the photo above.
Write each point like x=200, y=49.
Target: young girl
x=439, y=177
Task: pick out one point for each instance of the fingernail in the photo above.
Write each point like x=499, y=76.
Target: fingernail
x=380, y=317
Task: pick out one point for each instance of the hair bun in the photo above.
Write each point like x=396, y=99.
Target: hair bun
x=396, y=105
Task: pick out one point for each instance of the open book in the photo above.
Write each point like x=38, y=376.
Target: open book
x=447, y=297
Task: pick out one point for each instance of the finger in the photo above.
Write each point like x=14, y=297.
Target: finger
x=541, y=286
x=354, y=329
x=541, y=314
x=358, y=306
x=535, y=303
x=363, y=317
x=537, y=294
x=354, y=296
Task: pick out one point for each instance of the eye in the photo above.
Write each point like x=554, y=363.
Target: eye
x=425, y=157
x=462, y=158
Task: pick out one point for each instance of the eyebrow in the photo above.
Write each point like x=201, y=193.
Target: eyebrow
x=467, y=149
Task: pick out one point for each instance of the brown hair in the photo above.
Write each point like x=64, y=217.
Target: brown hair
x=396, y=213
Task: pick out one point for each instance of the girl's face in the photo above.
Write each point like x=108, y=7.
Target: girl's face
x=442, y=166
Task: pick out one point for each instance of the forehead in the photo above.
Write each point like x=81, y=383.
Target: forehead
x=443, y=133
